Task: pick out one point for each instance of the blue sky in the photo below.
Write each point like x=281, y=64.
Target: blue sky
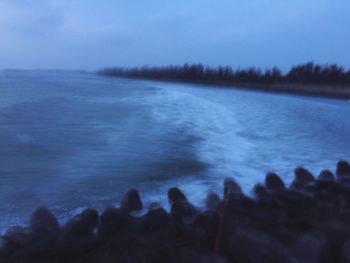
x=90, y=34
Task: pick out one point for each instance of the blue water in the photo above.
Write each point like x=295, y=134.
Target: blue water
x=71, y=140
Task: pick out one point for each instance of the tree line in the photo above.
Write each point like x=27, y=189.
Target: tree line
x=308, y=73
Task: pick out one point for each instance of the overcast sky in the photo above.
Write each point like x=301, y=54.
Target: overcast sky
x=90, y=34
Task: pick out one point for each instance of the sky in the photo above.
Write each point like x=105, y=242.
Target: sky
x=92, y=34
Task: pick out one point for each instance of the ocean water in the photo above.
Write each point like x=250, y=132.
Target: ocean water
x=71, y=140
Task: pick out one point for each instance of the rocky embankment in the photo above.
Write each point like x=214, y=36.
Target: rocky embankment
x=309, y=221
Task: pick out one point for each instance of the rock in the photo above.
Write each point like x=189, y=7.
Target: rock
x=252, y=246
x=175, y=195
x=82, y=225
x=274, y=183
x=297, y=185
x=16, y=237
x=156, y=221
x=239, y=202
x=310, y=188
x=262, y=196
x=299, y=209
x=312, y=248
x=303, y=176
x=327, y=186
x=344, y=180
x=213, y=201
x=231, y=186
x=198, y=256
x=345, y=252
x=183, y=212
x=205, y=228
x=259, y=191
x=32, y=244
x=44, y=234
x=326, y=175
x=343, y=169
x=112, y=222
x=337, y=234
x=44, y=222
x=131, y=201
x=154, y=206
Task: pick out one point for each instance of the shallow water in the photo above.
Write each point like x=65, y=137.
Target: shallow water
x=71, y=140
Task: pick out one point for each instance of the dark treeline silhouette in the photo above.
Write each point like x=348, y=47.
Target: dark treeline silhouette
x=308, y=73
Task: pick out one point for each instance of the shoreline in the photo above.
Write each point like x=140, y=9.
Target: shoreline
x=340, y=92
x=307, y=221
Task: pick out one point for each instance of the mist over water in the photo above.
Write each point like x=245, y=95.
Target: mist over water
x=71, y=140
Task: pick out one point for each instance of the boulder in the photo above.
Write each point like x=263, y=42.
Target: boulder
x=343, y=169
x=231, y=186
x=154, y=206
x=82, y=224
x=345, y=252
x=156, y=221
x=183, y=212
x=303, y=176
x=274, y=183
x=337, y=233
x=312, y=248
x=326, y=175
x=131, y=201
x=113, y=221
x=259, y=191
x=252, y=246
x=175, y=195
x=212, y=201
x=43, y=222
x=205, y=228
x=15, y=238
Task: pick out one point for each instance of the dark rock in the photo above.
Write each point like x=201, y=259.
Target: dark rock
x=345, y=252
x=231, y=186
x=299, y=209
x=343, y=169
x=326, y=175
x=213, y=201
x=297, y=185
x=183, y=212
x=327, y=186
x=15, y=238
x=239, y=201
x=113, y=221
x=310, y=188
x=259, y=191
x=251, y=246
x=18, y=235
x=312, y=248
x=263, y=197
x=43, y=235
x=154, y=206
x=157, y=222
x=274, y=183
x=131, y=201
x=337, y=233
x=344, y=180
x=82, y=224
x=44, y=222
x=198, y=256
x=302, y=177
x=205, y=228
x=175, y=195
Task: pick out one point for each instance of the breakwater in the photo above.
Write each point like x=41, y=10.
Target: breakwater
x=308, y=221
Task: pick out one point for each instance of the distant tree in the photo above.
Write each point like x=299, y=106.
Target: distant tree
x=304, y=73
